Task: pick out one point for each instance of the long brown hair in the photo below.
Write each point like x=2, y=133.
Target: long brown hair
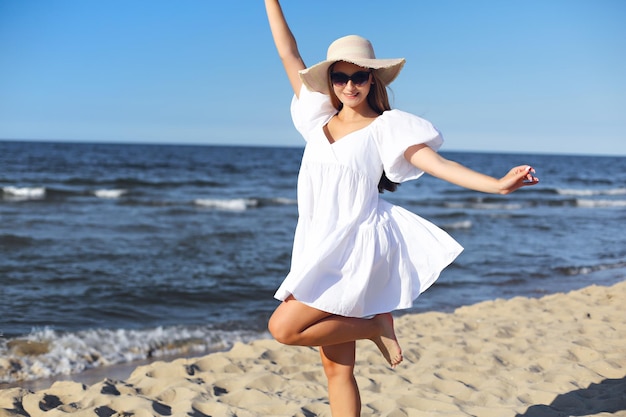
x=378, y=100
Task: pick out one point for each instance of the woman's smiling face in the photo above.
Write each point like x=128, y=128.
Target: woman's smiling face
x=351, y=94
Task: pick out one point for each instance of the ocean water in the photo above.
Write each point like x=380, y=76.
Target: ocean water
x=112, y=253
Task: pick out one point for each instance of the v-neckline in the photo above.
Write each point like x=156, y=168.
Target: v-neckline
x=331, y=141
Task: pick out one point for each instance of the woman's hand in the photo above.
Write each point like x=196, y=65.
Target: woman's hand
x=518, y=177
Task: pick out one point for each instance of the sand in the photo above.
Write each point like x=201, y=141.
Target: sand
x=561, y=355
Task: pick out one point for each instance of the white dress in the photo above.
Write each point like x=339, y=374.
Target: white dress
x=355, y=254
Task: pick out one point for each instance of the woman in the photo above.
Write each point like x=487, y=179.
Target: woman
x=356, y=257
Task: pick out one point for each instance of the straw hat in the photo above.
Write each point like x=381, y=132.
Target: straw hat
x=356, y=50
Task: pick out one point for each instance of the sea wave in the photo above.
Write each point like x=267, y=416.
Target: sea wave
x=241, y=204
x=23, y=193
x=236, y=204
x=46, y=353
x=587, y=203
x=480, y=205
x=128, y=182
x=591, y=192
x=137, y=198
x=11, y=241
x=588, y=269
x=110, y=194
x=571, y=198
x=463, y=224
x=15, y=193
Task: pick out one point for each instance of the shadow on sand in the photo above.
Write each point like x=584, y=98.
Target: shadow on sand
x=609, y=396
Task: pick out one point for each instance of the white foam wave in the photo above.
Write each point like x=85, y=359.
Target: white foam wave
x=112, y=194
x=600, y=203
x=284, y=201
x=237, y=204
x=588, y=192
x=464, y=224
x=485, y=206
x=584, y=270
x=24, y=193
x=69, y=353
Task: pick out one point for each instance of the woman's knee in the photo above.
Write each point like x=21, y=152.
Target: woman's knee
x=335, y=371
x=280, y=329
x=339, y=360
x=291, y=320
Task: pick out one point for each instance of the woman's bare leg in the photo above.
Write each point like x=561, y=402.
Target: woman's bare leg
x=294, y=323
x=343, y=392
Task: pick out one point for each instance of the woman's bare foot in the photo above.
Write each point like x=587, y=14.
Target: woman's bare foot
x=387, y=342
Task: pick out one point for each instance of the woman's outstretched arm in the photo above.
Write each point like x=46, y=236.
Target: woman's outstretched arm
x=285, y=44
x=429, y=161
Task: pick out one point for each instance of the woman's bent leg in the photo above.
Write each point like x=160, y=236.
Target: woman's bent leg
x=294, y=323
x=343, y=392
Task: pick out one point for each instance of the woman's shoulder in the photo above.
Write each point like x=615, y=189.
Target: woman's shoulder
x=398, y=120
x=397, y=114
x=310, y=109
x=306, y=95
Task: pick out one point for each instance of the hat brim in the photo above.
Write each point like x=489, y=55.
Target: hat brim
x=316, y=76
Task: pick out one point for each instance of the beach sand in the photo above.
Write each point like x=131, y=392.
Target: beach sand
x=560, y=355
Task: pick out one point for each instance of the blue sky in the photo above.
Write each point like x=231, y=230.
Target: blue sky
x=545, y=76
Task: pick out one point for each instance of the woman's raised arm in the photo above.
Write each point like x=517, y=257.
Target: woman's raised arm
x=429, y=161
x=285, y=44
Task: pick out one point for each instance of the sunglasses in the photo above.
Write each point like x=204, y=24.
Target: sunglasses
x=359, y=78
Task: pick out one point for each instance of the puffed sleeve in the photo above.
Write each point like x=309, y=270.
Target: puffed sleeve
x=310, y=110
x=396, y=132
